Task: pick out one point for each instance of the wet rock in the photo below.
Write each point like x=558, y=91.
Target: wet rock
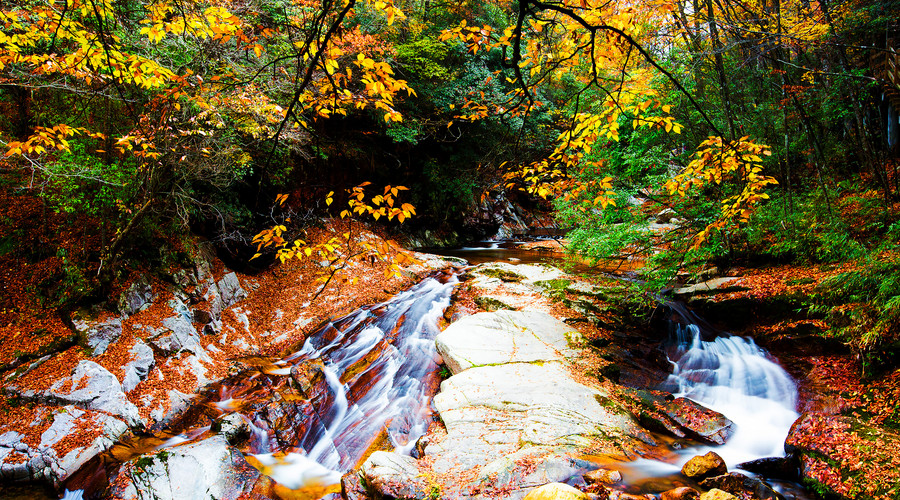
x=556, y=491
x=352, y=487
x=137, y=297
x=396, y=476
x=137, y=370
x=742, y=486
x=716, y=494
x=604, y=476
x=233, y=427
x=309, y=378
x=682, y=493
x=703, y=466
x=94, y=388
x=177, y=403
x=786, y=468
x=207, y=469
x=682, y=417
x=503, y=337
x=621, y=495
x=98, y=335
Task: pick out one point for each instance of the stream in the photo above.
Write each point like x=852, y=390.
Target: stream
x=366, y=380
x=313, y=414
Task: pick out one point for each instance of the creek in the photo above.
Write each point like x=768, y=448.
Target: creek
x=313, y=414
x=366, y=380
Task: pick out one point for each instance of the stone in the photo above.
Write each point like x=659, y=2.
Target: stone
x=715, y=285
x=223, y=294
x=137, y=297
x=395, y=476
x=682, y=493
x=209, y=469
x=665, y=216
x=716, y=494
x=352, y=487
x=94, y=388
x=98, y=335
x=18, y=461
x=178, y=333
x=786, y=468
x=682, y=417
x=742, y=486
x=202, y=316
x=604, y=476
x=703, y=466
x=233, y=427
x=556, y=491
x=503, y=337
x=137, y=370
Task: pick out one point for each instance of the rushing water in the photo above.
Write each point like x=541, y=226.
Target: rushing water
x=737, y=378
x=313, y=414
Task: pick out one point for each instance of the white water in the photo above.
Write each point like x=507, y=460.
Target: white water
x=735, y=377
x=396, y=398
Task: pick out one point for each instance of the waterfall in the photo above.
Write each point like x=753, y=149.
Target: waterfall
x=737, y=378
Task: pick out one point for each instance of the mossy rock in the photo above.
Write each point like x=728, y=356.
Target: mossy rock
x=502, y=275
x=491, y=304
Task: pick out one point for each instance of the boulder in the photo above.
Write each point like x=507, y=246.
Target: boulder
x=223, y=294
x=786, y=468
x=703, y=466
x=396, y=476
x=556, y=491
x=665, y=216
x=500, y=337
x=98, y=335
x=604, y=476
x=209, y=469
x=138, y=369
x=233, y=427
x=178, y=333
x=352, y=487
x=137, y=297
x=715, y=494
x=682, y=493
x=682, y=417
x=93, y=387
x=715, y=285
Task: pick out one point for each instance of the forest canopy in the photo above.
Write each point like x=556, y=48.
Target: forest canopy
x=767, y=130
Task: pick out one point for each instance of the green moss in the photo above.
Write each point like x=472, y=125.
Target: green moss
x=491, y=304
x=502, y=275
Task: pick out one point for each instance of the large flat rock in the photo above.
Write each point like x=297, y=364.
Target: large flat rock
x=500, y=337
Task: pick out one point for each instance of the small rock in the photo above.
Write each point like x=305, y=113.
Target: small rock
x=352, y=487
x=786, y=468
x=704, y=466
x=742, y=486
x=396, y=476
x=604, y=476
x=556, y=491
x=665, y=216
x=716, y=494
x=203, y=317
x=137, y=297
x=682, y=493
x=138, y=369
x=100, y=334
x=232, y=427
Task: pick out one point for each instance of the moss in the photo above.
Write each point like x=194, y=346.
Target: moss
x=502, y=275
x=491, y=304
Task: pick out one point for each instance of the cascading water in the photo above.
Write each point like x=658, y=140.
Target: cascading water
x=735, y=377
x=314, y=413
x=379, y=366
